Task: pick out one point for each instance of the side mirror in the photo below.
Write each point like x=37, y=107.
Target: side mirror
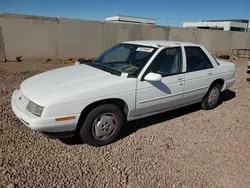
x=153, y=77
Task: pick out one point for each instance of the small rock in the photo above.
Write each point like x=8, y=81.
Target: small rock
x=11, y=186
x=4, y=172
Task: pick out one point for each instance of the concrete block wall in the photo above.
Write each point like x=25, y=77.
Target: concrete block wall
x=181, y=34
x=206, y=38
x=2, y=50
x=32, y=37
x=158, y=33
x=119, y=32
x=217, y=42
x=240, y=40
x=152, y=32
x=114, y=33
x=222, y=42
x=36, y=37
x=79, y=38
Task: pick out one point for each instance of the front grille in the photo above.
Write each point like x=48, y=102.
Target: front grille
x=248, y=66
x=23, y=101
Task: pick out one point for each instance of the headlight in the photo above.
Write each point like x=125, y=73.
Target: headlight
x=34, y=108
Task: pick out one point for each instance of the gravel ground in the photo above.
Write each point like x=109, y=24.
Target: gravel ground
x=184, y=148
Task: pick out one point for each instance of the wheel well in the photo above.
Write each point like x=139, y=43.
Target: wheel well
x=218, y=81
x=119, y=102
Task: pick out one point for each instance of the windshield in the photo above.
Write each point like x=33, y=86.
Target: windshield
x=126, y=58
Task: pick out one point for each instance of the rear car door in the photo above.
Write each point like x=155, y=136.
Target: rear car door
x=155, y=96
x=198, y=76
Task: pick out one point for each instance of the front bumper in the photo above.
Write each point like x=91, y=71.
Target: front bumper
x=47, y=125
x=67, y=134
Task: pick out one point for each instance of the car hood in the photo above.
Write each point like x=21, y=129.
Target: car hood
x=67, y=84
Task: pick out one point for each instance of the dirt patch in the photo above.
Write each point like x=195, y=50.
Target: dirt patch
x=188, y=147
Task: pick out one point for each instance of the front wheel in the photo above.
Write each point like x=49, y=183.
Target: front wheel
x=102, y=125
x=212, y=98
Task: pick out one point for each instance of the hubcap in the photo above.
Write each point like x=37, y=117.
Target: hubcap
x=104, y=126
x=213, y=96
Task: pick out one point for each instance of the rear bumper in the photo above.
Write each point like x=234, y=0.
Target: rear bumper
x=228, y=84
x=47, y=125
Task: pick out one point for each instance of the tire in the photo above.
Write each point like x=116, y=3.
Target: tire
x=102, y=125
x=212, y=98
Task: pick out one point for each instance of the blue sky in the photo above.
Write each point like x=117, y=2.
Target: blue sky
x=166, y=12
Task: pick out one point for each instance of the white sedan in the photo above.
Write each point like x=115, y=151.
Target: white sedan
x=129, y=81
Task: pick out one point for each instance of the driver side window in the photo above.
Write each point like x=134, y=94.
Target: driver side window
x=168, y=62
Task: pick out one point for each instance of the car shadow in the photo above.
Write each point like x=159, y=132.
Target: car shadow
x=71, y=141
x=133, y=126
x=161, y=86
x=228, y=95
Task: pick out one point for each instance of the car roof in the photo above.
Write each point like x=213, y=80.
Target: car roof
x=161, y=43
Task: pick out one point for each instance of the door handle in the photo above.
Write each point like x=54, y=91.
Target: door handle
x=180, y=78
x=209, y=73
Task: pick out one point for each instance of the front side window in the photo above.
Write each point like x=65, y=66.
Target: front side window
x=197, y=59
x=126, y=58
x=168, y=62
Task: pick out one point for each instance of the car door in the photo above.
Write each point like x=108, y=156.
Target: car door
x=198, y=76
x=159, y=95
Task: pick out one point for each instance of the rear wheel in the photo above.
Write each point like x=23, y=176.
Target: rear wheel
x=212, y=98
x=102, y=125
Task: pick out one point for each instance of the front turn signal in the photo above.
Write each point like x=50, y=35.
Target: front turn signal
x=65, y=118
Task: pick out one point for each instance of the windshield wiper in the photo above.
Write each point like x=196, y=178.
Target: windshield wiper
x=102, y=67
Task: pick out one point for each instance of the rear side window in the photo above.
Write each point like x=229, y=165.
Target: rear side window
x=197, y=59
